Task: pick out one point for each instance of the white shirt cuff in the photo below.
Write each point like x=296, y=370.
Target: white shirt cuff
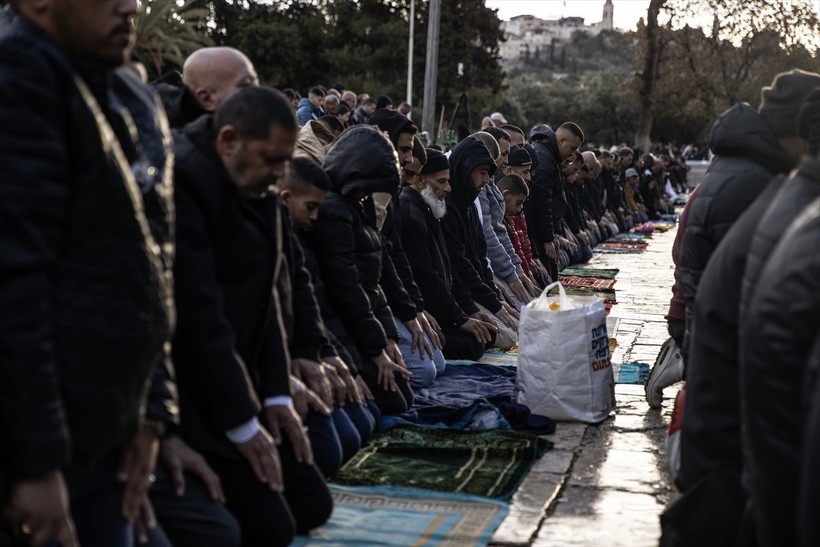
x=244, y=432
x=280, y=400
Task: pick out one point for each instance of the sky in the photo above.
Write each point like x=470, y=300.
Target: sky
x=626, y=12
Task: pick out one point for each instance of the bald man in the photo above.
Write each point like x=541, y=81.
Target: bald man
x=209, y=76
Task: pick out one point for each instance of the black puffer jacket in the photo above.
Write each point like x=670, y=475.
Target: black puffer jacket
x=777, y=334
x=345, y=239
x=710, y=434
x=462, y=230
x=747, y=157
x=83, y=293
x=808, y=497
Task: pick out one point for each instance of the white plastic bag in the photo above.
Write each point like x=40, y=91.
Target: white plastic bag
x=564, y=368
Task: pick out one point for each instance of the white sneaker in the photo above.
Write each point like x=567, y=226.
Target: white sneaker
x=668, y=370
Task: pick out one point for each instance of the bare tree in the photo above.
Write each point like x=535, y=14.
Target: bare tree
x=649, y=75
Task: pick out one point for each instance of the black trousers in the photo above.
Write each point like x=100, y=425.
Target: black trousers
x=389, y=402
x=191, y=520
x=268, y=518
x=463, y=345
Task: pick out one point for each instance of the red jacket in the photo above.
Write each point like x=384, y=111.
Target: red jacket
x=517, y=228
x=677, y=307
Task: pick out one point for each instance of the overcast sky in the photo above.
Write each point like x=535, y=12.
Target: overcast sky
x=626, y=14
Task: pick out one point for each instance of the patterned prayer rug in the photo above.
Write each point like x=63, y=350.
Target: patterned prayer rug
x=629, y=238
x=490, y=463
x=586, y=282
x=582, y=271
x=633, y=372
x=626, y=246
x=607, y=295
x=394, y=515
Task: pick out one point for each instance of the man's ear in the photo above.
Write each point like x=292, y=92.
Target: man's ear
x=205, y=99
x=284, y=195
x=505, y=193
x=227, y=141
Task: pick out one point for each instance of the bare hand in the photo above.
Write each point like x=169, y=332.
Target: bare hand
x=394, y=353
x=512, y=311
x=284, y=419
x=551, y=251
x=419, y=342
x=179, y=457
x=517, y=287
x=432, y=320
x=303, y=400
x=146, y=521
x=263, y=457
x=363, y=387
x=387, y=370
x=40, y=508
x=429, y=330
x=136, y=468
x=479, y=329
x=353, y=393
x=312, y=373
x=505, y=318
x=531, y=288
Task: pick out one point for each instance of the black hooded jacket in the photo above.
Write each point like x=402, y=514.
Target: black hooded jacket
x=747, y=157
x=347, y=243
x=778, y=333
x=462, y=230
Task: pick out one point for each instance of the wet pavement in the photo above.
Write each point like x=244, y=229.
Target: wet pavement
x=607, y=484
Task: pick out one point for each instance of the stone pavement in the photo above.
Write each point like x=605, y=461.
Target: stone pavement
x=607, y=485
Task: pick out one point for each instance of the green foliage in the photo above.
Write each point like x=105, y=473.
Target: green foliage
x=167, y=31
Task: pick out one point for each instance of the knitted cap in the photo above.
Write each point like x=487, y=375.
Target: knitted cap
x=631, y=173
x=436, y=161
x=781, y=101
x=519, y=157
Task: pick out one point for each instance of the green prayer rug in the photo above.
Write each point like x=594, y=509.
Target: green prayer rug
x=490, y=463
x=581, y=271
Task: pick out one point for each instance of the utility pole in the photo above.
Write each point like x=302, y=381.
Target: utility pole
x=431, y=70
x=410, y=52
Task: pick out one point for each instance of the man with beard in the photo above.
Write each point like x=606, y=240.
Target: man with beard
x=422, y=206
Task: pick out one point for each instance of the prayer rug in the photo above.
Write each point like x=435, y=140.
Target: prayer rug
x=607, y=295
x=491, y=463
x=500, y=358
x=633, y=372
x=586, y=282
x=591, y=272
x=618, y=245
x=664, y=227
x=629, y=238
x=399, y=516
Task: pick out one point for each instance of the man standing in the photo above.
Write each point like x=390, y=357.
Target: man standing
x=87, y=307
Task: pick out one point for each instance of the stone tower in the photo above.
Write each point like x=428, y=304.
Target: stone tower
x=607, y=22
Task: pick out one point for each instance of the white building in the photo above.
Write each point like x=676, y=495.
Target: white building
x=527, y=33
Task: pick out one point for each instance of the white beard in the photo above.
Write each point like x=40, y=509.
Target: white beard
x=437, y=206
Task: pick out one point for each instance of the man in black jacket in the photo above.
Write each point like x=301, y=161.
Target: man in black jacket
x=209, y=76
x=546, y=206
x=235, y=298
x=87, y=308
x=349, y=249
x=471, y=167
x=423, y=204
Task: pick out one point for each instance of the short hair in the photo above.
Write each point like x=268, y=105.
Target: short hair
x=332, y=122
x=489, y=141
x=606, y=154
x=369, y=100
x=343, y=108
x=626, y=151
x=291, y=93
x=316, y=90
x=405, y=104
x=499, y=134
x=302, y=174
x=253, y=111
x=362, y=97
x=573, y=128
x=510, y=128
x=514, y=184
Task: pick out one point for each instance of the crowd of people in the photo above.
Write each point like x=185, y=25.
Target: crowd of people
x=744, y=322
x=213, y=289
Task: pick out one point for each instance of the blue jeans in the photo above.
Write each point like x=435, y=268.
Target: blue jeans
x=422, y=368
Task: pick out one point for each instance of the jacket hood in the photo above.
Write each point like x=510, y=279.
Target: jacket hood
x=391, y=121
x=362, y=160
x=311, y=141
x=179, y=103
x=740, y=131
x=466, y=156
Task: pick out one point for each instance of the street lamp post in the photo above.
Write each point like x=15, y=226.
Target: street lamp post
x=410, y=52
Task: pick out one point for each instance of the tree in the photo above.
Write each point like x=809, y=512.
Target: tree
x=167, y=31
x=648, y=77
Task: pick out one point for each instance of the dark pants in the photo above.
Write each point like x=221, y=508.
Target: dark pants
x=193, y=519
x=268, y=518
x=362, y=418
x=463, y=345
x=676, y=328
x=389, y=402
x=96, y=506
x=334, y=439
